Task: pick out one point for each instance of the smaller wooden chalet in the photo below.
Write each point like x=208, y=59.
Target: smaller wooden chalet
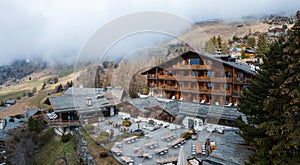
x=159, y=113
x=77, y=105
x=147, y=108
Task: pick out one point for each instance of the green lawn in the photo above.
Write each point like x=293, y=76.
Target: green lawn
x=13, y=95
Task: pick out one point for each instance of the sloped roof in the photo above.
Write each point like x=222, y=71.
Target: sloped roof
x=156, y=111
x=173, y=61
x=10, y=101
x=31, y=112
x=76, y=99
x=203, y=111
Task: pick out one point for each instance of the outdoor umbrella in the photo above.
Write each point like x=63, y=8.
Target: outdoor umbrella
x=182, y=160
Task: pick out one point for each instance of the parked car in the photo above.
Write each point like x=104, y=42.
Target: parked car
x=138, y=132
x=52, y=115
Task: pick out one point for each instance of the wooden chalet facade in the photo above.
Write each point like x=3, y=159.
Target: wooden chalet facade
x=200, y=78
x=78, y=105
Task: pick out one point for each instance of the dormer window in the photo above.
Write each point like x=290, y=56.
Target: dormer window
x=194, y=61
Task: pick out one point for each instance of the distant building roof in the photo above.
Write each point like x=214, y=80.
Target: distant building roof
x=10, y=101
x=31, y=112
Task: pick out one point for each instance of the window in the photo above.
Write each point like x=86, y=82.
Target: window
x=208, y=73
x=227, y=74
x=194, y=61
x=180, y=73
x=179, y=84
x=243, y=87
x=194, y=73
x=241, y=75
x=208, y=85
x=226, y=86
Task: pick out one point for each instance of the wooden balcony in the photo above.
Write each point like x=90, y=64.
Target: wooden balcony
x=64, y=123
x=235, y=93
x=221, y=79
x=152, y=76
x=201, y=79
x=195, y=90
x=194, y=67
x=241, y=80
x=166, y=77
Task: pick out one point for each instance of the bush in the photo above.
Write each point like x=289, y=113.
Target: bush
x=46, y=136
x=103, y=154
x=11, y=119
x=19, y=116
x=186, y=135
x=89, y=127
x=126, y=123
x=66, y=138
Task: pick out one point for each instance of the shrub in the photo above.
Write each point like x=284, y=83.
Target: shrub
x=137, y=134
x=89, y=127
x=11, y=119
x=103, y=154
x=186, y=135
x=19, y=116
x=126, y=123
x=66, y=138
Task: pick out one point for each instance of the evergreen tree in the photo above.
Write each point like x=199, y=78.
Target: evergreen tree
x=272, y=105
x=225, y=48
x=262, y=45
x=251, y=42
x=219, y=42
x=210, y=47
x=214, y=40
x=44, y=85
x=243, y=54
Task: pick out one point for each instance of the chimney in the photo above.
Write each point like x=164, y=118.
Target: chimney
x=89, y=101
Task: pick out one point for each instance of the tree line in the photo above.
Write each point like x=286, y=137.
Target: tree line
x=272, y=103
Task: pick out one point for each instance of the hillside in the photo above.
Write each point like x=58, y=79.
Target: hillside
x=203, y=31
x=19, y=69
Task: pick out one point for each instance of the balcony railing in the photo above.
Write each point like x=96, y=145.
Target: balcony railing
x=235, y=93
x=195, y=78
x=151, y=76
x=201, y=67
x=195, y=90
x=166, y=77
x=241, y=80
x=64, y=123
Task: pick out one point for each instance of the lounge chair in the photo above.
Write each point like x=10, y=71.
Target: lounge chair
x=228, y=105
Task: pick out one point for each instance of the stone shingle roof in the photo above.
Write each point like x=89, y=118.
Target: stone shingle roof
x=76, y=99
x=188, y=109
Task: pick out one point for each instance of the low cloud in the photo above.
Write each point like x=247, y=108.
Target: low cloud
x=56, y=31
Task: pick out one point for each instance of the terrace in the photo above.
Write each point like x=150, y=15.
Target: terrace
x=163, y=145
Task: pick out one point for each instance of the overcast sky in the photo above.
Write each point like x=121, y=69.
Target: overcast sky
x=56, y=30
